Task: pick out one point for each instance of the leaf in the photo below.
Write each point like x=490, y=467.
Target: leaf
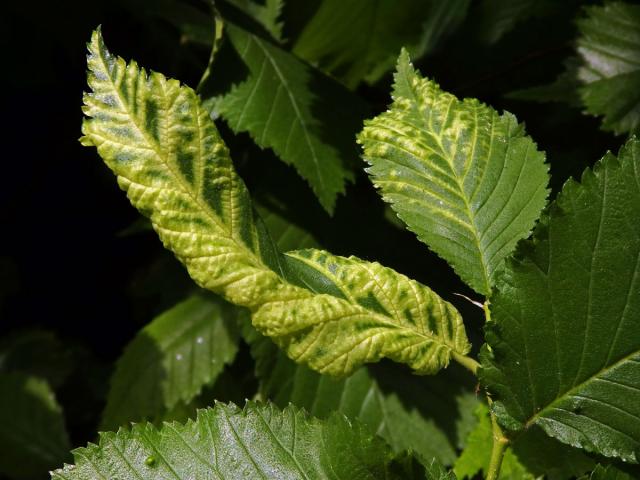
x=171, y=360
x=359, y=40
x=225, y=442
x=435, y=471
x=278, y=104
x=371, y=313
x=532, y=455
x=285, y=234
x=609, y=472
x=545, y=456
x=331, y=312
x=609, y=46
x=426, y=419
x=604, y=76
x=33, y=438
x=267, y=14
x=564, y=340
x=563, y=89
x=495, y=18
x=441, y=19
x=477, y=454
x=169, y=158
x=37, y=353
x=462, y=177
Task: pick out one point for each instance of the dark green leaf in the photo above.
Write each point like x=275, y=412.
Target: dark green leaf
x=267, y=13
x=609, y=45
x=33, y=438
x=477, y=453
x=609, y=472
x=285, y=234
x=565, y=340
x=37, y=353
x=278, y=104
x=171, y=360
x=360, y=39
x=429, y=417
x=225, y=442
x=533, y=455
x=495, y=18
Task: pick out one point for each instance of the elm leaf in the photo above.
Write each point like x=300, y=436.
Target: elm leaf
x=564, y=340
x=464, y=178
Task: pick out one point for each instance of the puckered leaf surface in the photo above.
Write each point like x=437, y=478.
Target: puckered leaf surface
x=565, y=335
x=464, y=178
x=374, y=311
x=225, y=442
x=609, y=46
x=331, y=312
x=403, y=409
x=171, y=360
x=33, y=438
x=279, y=105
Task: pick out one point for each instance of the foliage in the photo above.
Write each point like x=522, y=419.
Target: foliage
x=605, y=75
x=302, y=331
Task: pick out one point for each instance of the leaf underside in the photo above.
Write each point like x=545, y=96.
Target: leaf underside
x=610, y=66
x=278, y=105
x=330, y=312
x=171, y=360
x=465, y=179
x=225, y=442
x=565, y=335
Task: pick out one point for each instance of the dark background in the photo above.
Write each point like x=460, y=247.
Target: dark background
x=65, y=264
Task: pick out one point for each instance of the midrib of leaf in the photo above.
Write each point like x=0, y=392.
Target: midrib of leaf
x=287, y=452
x=578, y=387
x=294, y=104
x=243, y=447
x=594, y=250
x=461, y=193
x=383, y=319
x=177, y=175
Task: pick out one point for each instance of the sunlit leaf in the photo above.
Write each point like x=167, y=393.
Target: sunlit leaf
x=464, y=178
x=331, y=312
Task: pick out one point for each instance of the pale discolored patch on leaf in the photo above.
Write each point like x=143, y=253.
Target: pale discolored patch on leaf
x=373, y=310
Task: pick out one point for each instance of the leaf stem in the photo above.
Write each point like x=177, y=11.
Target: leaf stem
x=500, y=444
x=217, y=39
x=467, y=362
x=487, y=312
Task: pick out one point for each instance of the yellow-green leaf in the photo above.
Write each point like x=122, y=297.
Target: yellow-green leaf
x=373, y=310
x=463, y=177
x=330, y=312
